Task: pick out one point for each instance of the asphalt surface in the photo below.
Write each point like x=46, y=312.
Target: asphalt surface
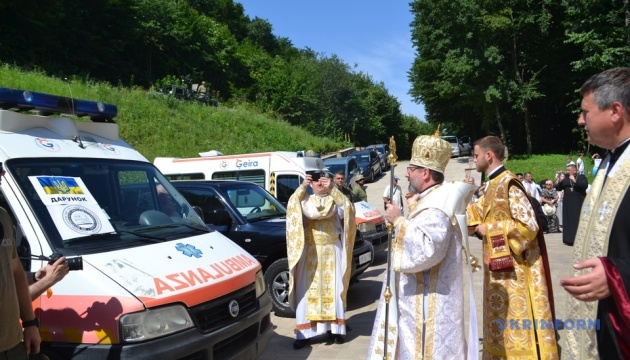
x=363, y=296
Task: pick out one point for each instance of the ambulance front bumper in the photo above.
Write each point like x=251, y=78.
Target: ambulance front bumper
x=246, y=338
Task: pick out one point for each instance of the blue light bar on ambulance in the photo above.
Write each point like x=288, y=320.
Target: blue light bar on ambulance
x=52, y=104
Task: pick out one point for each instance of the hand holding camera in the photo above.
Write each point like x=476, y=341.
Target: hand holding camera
x=56, y=270
x=74, y=263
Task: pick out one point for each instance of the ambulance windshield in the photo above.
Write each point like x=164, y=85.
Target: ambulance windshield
x=91, y=205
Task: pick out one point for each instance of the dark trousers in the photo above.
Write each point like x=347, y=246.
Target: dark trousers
x=18, y=352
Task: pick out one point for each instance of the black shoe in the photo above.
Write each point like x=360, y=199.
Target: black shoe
x=339, y=339
x=300, y=343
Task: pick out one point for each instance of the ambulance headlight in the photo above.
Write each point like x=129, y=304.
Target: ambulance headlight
x=153, y=323
x=367, y=227
x=260, y=284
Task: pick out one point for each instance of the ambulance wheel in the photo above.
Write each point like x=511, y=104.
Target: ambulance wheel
x=277, y=280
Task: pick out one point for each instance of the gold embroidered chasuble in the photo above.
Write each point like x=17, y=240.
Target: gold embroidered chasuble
x=311, y=243
x=513, y=299
x=596, y=219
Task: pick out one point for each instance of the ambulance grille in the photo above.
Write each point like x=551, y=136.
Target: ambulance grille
x=215, y=314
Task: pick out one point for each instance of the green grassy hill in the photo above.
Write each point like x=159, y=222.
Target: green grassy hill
x=157, y=125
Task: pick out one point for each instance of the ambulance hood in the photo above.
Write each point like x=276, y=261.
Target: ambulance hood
x=367, y=213
x=191, y=270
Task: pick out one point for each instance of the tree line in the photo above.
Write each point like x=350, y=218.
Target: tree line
x=509, y=68
x=514, y=67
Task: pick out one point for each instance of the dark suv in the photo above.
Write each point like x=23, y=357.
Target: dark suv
x=383, y=152
x=369, y=163
x=348, y=165
x=248, y=215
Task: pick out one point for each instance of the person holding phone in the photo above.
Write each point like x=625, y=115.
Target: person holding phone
x=321, y=230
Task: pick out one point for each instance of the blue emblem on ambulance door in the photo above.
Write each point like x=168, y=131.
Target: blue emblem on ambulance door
x=188, y=250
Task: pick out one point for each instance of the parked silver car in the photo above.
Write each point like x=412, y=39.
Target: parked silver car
x=459, y=148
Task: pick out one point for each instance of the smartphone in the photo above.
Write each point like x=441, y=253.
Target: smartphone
x=316, y=175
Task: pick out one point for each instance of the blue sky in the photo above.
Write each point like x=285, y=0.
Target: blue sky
x=374, y=35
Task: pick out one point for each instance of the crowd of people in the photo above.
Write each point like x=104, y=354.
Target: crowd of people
x=421, y=312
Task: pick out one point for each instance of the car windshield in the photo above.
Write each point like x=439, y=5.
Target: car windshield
x=90, y=206
x=379, y=148
x=363, y=158
x=333, y=168
x=253, y=202
x=451, y=139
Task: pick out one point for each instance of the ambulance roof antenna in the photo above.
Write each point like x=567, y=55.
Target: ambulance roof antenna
x=77, y=138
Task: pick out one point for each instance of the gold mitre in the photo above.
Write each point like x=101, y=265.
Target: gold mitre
x=431, y=151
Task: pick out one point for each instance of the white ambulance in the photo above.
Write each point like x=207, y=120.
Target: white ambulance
x=148, y=280
x=279, y=172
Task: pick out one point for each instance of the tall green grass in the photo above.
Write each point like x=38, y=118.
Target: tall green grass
x=158, y=125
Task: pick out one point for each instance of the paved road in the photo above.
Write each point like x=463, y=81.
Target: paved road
x=364, y=295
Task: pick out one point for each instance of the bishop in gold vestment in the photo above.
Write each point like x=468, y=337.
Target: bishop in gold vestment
x=321, y=230
x=516, y=299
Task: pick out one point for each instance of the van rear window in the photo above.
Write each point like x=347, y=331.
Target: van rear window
x=194, y=176
x=255, y=176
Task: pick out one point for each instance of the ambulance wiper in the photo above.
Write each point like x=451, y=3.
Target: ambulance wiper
x=142, y=232
x=90, y=238
x=154, y=239
x=174, y=225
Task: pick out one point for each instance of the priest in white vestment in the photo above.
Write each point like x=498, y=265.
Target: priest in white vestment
x=426, y=312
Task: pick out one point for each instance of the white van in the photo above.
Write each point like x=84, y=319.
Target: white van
x=149, y=280
x=279, y=172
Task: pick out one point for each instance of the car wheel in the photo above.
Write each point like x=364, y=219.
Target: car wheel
x=372, y=175
x=277, y=280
